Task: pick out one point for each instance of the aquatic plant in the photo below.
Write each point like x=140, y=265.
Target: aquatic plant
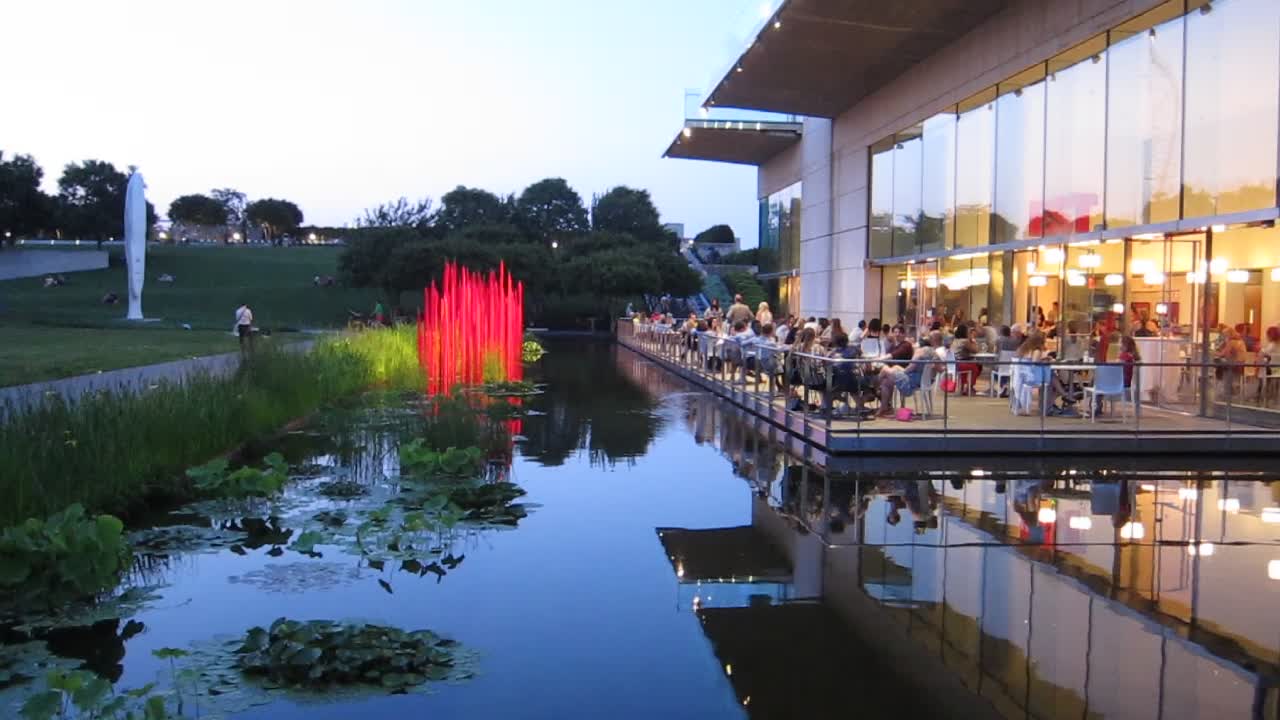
x=213, y=479
x=416, y=458
x=82, y=694
x=341, y=489
x=319, y=654
x=531, y=351
x=509, y=388
x=109, y=450
x=70, y=555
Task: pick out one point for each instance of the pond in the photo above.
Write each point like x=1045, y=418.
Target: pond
x=670, y=559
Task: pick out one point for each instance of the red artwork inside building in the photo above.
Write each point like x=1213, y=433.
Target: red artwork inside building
x=472, y=329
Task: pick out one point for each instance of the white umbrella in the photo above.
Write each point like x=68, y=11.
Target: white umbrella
x=135, y=242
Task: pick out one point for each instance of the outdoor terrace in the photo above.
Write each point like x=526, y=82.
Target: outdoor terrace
x=949, y=423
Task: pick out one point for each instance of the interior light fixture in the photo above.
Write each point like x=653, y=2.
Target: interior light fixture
x=1090, y=260
x=1187, y=493
x=1218, y=265
x=1219, y=228
x=1075, y=279
x=1133, y=531
x=1154, y=278
x=1047, y=515
x=1141, y=267
x=1231, y=505
x=687, y=132
x=1273, y=569
x=1031, y=267
x=1080, y=522
x=1205, y=549
x=1114, y=280
x=1275, y=274
x=1053, y=255
x=1238, y=277
x=1162, y=309
x=931, y=282
x=907, y=284
x=1117, y=308
x=1038, y=281
x=777, y=24
x=1271, y=515
x=1196, y=277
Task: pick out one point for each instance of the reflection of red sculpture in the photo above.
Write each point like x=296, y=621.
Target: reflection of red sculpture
x=473, y=323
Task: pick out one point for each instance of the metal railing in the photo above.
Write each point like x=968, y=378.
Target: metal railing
x=811, y=386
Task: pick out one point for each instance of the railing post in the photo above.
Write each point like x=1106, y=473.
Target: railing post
x=828, y=401
x=1136, y=396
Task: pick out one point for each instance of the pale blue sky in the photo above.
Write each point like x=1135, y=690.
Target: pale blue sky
x=340, y=105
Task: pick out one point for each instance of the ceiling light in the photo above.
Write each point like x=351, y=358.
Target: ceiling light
x=1047, y=515
x=1090, y=260
x=1271, y=515
x=1162, y=309
x=1141, y=267
x=1275, y=274
x=1231, y=505
x=1196, y=277
x=1075, y=279
x=931, y=282
x=1238, y=276
x=1186, y=493
x=777, y=24
x=1273, y=569
x=1114, y=280
x=1080, y=522
x=1133, y=531
x=1117, y=308
x=1205, y=549
x=1219, y=228
x=1218, y=265
x=1038, y=281
x=1053, y=255
x=1153, y=278
x=688, y=132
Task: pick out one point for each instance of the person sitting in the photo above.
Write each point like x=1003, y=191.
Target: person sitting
x=872, y=344
x=1033, y=351
x=964, y=349
x=856, y=337
x=906, y=380
x=898, y=347
x=1230, y=359
x=848, y=377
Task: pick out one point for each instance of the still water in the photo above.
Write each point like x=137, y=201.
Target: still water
x=677, y=563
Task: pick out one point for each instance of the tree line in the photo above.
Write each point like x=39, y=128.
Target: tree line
x=89, y=204
x=575, y=262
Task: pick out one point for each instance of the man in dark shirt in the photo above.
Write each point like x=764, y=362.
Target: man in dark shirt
x=900, y=348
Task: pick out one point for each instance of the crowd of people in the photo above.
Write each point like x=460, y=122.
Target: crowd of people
x=893, y=362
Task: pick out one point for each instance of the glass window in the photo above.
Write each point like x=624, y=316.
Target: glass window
x=1144, y=126
x=907, y=167
x=1233, y=71
x=882, y=200
x=975, y=167
x=780, y=230
x=1075, y=136
x=893, y=297
x=1019, y=199
x=937, y=227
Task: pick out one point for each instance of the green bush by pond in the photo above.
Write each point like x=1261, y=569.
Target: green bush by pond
x=110, y=450
x=67, y=556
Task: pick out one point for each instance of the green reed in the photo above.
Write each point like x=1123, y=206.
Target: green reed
x=111, y=450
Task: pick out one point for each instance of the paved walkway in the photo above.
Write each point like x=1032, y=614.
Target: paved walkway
x=134, y=378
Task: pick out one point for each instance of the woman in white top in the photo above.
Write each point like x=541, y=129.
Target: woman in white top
x=244, y=327
x=763, y=316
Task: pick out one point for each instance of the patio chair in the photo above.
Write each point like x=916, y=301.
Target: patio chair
x=922, y=397
x=1027, y=377
x=1002, y=370
x=1108, y=382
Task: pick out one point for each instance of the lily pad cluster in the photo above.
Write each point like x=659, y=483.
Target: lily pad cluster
x=70, y=555
x=214, y=479
x=320, y=653
x=82, y=694
x=531, y=351
x=510, y=388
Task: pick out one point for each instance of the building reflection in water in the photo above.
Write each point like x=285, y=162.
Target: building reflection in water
x=1081, y=593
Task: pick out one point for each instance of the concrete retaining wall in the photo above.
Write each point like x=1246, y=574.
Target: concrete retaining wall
x=34, y=263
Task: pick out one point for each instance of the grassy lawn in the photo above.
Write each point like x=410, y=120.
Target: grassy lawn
x=56, y=332
x=32, y=353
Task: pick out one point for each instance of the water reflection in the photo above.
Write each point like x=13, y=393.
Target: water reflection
x=1083, y=592
x=591, y=409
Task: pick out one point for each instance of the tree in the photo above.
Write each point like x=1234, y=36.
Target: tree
x=276, y=217
x=463, y=206
x=24, y=208
x=398, y=213
x=627, y=210
x=550, y=209
x=490, y=235
x=198, y=210
x=612, y=275
x=368, y=252
x=413, y=266
x=675, y=277
x=91, y=195
x=234, y=201
x=716, y=234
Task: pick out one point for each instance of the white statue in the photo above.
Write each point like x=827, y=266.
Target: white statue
x=135, y=242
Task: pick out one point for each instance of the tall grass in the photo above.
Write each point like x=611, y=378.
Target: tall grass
x=111, y=450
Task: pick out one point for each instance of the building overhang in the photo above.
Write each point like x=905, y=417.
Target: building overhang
x=732, y=554
x=820, y=57
x=739, y=142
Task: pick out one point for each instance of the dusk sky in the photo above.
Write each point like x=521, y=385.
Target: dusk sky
x=342, y=105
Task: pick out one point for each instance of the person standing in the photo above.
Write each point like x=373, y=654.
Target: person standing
x=738, y=312
x=244, y=328
x=379, y=314
x=763, y=315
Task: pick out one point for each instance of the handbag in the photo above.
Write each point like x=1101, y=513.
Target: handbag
x=905, y=414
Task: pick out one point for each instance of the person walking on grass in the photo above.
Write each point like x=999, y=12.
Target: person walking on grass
x=244, y=328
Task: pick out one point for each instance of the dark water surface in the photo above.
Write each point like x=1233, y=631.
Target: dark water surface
x=678, y=564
